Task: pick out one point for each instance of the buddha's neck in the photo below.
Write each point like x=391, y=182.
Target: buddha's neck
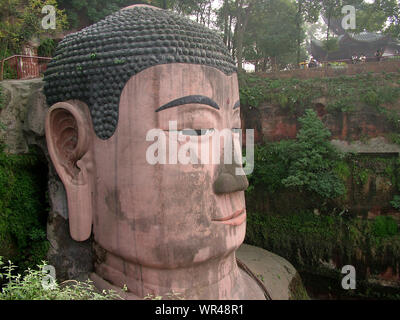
x=218, y=278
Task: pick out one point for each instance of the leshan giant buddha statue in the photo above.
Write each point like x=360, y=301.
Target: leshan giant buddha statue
x=158, y=228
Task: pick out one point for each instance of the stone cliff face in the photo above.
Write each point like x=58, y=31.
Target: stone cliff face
x=362, y=131
x=364, y=124
x=274, y=123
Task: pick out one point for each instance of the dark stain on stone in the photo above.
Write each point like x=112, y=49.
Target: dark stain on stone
x=99, y=254
x=114, y=204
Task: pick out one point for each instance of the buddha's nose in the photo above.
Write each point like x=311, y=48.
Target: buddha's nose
x=230, y=178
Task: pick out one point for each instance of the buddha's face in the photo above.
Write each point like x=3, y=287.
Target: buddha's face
x=169, y=215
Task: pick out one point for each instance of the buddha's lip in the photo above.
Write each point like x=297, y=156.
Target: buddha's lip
x=236, y=219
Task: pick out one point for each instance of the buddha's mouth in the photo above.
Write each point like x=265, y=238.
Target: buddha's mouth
x=236, y=219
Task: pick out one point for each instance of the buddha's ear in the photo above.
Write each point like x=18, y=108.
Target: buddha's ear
x=69, y=135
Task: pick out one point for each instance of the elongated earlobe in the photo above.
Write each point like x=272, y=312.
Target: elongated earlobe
x=69, y=135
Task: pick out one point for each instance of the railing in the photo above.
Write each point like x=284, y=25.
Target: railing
x=27, y=67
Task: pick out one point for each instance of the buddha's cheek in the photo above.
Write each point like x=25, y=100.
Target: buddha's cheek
x=186, y=233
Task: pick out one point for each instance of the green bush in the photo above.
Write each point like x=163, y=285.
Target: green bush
x=29, y=286
x=371, y=98
x=396, y=202
x=23, y=206
x=47, y=47
x=344, y=93
x=305, y=164
x=384, y=226
x=305, y=238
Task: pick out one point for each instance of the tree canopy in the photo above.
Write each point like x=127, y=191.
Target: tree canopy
x=271, y=34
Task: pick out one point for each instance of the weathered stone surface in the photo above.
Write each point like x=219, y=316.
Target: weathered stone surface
x=18, y=96
x=72, y=260
x=373, y=145
x=279, y=277
x=274, y=123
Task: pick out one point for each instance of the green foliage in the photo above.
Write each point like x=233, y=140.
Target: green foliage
x=313, y=158
x=20, y=22
x=343, y=94
x=23, y=207
x=47, y=48
x=342, y=169
x=337, y=64
x=384, y=226
x=396, y=202
x=305, y=164
x=280, y=44
x=371, y=98
x=330, y=45
x=29, y=286
x=82, y=13
x=306, y=239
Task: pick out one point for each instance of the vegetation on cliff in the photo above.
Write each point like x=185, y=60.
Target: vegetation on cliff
x=344, y=93
x=319, y=244
x=297, y=207
x=23, y=208
x=306, y=164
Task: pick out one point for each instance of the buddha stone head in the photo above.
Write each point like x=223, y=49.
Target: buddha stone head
x=157, y=228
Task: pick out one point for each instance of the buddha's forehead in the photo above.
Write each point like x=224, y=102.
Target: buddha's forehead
x=94, y=64
x=175, y=79
x=191, y=95
x=154, y=89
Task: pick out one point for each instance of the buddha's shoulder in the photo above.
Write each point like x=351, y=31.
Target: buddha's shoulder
x=278, y=276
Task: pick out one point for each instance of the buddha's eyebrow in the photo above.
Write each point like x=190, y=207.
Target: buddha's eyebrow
x=237, y=104
x=189, y=99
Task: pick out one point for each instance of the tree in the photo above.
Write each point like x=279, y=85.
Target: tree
x=330, y=45
x=313, y=159
x=20, y=21
x=226, y=18
x=243, y=11
x=307, y=11
x=267, y=40
x=82, y=13
x=330, y=9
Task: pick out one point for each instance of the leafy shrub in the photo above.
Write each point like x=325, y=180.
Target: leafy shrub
x=371, y=98
x=307, y=163
x=23, y=206
x=384, y=226
x=47, y=47
x=313, y=159
x=29, y=287
x=396, y=202
x=331, y=44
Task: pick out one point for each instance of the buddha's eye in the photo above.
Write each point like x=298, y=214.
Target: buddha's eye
x=193, y=132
